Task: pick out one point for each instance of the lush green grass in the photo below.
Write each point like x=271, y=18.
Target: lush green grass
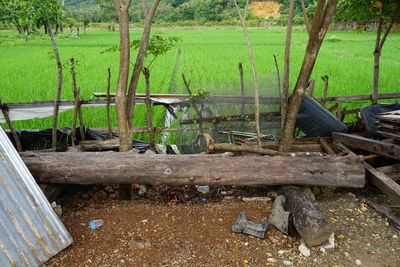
x=209, y=58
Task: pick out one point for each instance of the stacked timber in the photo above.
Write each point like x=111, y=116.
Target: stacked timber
x=389, y=124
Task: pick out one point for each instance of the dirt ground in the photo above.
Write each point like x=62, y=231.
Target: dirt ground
x=145, y=232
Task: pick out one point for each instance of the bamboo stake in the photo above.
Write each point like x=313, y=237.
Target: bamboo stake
x=76, y=100
x=325, y=78
x=241, y=87
x=11, y=126
x=286, y=67
x=109, y=102
x=146, y=73
x=253, y=69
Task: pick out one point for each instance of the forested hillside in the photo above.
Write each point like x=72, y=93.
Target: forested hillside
x=174, y=10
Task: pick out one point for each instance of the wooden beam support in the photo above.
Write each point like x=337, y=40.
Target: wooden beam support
x=383, y=182
x=368, y=144
x=129, y=168
x=392, y=171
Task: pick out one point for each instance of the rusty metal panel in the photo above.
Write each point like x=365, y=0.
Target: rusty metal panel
x=30, y=231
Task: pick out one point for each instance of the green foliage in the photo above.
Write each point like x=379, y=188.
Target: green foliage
x=284, y=9
x=29, y=15
x=157, y=46
x=365, y=11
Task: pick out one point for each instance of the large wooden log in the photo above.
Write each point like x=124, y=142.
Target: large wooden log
x=126, y=167
x=312, y=225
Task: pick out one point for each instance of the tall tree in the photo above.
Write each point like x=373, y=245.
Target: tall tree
x=125, y=98
x=383, y=13
x=319, y=26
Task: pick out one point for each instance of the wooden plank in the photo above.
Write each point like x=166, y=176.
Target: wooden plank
x=368, y=144
x=383, y=182
x=392, y=171
x=389, y=135
x=384, y=125
x=128, y=168
x=358, y=97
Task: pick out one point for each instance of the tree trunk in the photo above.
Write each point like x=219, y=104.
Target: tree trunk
x=377, y=55
x=312, y=225
x=59, y=84
x=125, y=135
x=320, y=25
x=127, y=167
x=149, y=14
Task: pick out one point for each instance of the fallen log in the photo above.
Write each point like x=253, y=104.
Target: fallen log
x=129, y=168
x=312, y=225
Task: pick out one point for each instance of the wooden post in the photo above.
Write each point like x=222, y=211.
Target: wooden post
x=286, y=66
x=76, y=100
x=11, y=126
x=196, y=109
x=241, y=87
x=311, y=86
x=146, y=73
x=325, y=78
x=109, y=102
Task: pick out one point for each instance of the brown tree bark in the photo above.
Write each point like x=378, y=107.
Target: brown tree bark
x=125, y=135
x=312, y=225
x=59, y=83
x=319, y=27
x=306, y=20
x=380, y=41
x=149, y=14
x=127, y=167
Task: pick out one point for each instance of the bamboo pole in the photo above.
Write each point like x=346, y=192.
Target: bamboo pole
x=253, y=69
x=241, y=87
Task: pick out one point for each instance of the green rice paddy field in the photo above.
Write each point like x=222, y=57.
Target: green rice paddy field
x=208, y=57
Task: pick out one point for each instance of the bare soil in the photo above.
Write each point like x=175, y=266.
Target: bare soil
x=150, y=233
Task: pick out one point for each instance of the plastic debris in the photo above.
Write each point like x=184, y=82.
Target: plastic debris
x=94, y=224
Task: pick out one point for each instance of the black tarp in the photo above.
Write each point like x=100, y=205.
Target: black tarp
x=369, y=115
x=315, y=120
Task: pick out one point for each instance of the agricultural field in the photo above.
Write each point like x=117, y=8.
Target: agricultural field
x=208, y=56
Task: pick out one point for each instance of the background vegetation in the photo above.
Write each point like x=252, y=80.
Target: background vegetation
x=208, y=57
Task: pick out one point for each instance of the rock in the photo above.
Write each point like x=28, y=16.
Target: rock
x=358, y=262
x=251, y=199
x=287, y=263
x=308, y=193
x=304, y=250
x=109, y=189
x=271, y=260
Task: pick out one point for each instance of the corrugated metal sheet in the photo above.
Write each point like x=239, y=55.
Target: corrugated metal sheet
x=30, y=231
